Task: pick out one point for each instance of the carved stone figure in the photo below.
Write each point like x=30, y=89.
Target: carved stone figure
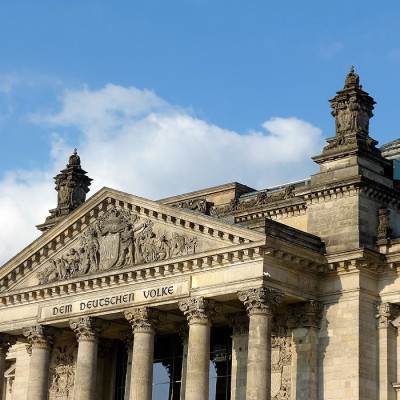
x=62, y=373
x=260, y=199
x=118, y=239
x=199, y=205
x=383, y=228
x=72, y=184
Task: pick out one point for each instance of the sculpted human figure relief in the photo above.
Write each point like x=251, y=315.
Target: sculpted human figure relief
x=118, y=239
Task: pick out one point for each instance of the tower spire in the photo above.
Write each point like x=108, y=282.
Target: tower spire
x=72, y=184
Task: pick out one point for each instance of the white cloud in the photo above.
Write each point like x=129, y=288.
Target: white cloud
x=132, y=140
x=331, y=50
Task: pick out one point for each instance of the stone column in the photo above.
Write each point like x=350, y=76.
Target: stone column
x=127, y=338
x=6, y=341
x=200, y=313
x=87, y=331
x=240, y=337
x=183, y=330
x=304, y=320
x=259, y=304
x=41, y=339
x=387, y=313
x=144, y=322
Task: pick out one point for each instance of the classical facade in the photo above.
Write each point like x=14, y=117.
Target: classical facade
x=285, y=293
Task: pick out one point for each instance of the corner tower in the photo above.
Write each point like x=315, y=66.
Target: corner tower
x=354, y=180
x=72, y=184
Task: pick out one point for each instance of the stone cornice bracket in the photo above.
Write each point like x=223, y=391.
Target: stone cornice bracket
x=239, y=322
x=305, y=315
x=41, y=336
x=6, y=341
x=199, y=310
x=88, y=328
x=387, y=313
x=144, y=319
x=260, y=301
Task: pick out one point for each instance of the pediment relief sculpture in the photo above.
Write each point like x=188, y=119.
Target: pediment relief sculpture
x=261, y=199
x=120, y=238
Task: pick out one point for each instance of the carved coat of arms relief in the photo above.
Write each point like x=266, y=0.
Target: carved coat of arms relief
x=120, y=238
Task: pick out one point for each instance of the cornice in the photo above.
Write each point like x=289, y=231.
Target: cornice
x=51, y=241
x=144, y=273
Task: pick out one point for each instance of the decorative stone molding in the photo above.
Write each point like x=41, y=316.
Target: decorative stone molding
x=305, y=315
x=260, y=301
x=260, y=199
x=239, y=322
x=41, y=336
x=6, y=341
x=199, y=310
x=199, y=205
x=72, y=184
x=120, y=238
x=387, y=312
x=62, y=373
x=88, y=328
x=383, y=228
x=144, y=319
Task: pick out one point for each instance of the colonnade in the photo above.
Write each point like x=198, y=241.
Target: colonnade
x=253, y=372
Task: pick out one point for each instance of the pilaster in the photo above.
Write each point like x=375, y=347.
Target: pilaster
x=386, y=315
x=304, y=320
x=6, y=341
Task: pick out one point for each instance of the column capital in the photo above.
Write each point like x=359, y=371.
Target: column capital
x=199, y=310
x=88, y=328
x=144, y=319
x=386, y=313
x=260, y=301
x=305, y=315
x=41, y=336
x=183, y=331
x=127, y=337
x=239, y=322
x=6, y=341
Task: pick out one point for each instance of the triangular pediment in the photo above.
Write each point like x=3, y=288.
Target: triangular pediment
x=117, y=231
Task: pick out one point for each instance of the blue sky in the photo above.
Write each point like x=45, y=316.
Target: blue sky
x=164, y=97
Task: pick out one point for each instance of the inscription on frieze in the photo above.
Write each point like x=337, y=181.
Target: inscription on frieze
x=97, y=304
x=120, y=238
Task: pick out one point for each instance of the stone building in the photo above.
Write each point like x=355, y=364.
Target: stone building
x=290, y=292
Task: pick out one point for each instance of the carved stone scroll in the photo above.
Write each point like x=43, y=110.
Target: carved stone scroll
x=88, y=328
x=199, y=310
x=386, y=313
x=41, y=336
x=144, y=319
x=118, y=239
x=305, y=315
x=260, y=301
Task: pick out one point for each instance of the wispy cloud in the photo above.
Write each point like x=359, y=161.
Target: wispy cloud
x=134, y=141
x=331, y=50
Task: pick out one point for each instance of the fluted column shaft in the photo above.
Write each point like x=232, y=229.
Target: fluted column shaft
x=41, y=339
x=200, y=313
x=144, y=322
x=88, y=331
x=259, y=305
